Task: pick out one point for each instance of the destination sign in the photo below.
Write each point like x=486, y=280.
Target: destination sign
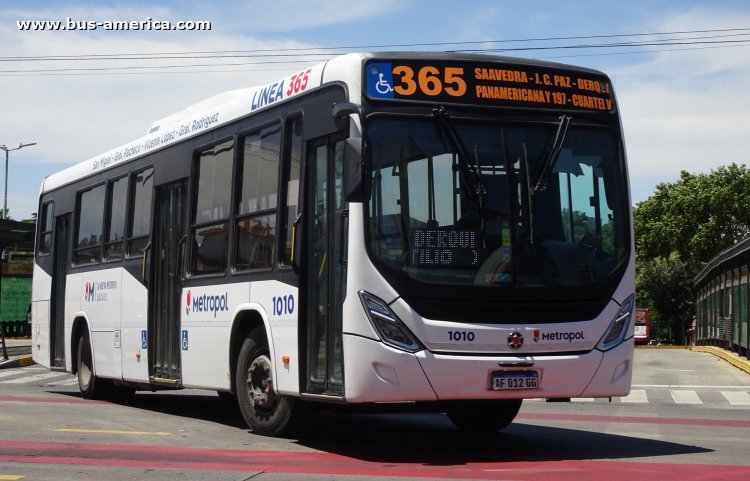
x=485, y=83
x=443, y=248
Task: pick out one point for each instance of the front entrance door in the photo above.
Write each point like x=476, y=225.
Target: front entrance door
x=323, y=269
x=170, y=234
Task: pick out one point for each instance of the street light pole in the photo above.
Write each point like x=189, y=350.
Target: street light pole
x=5, y=196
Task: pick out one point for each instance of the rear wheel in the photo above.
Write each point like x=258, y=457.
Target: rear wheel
x=91, y=386
x=483, y=417
x=265, y=410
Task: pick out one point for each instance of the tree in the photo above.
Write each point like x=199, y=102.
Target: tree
x=681, y=227
x=665, y=284
x=698, y=216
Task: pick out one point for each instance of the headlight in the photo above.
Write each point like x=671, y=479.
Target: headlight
x=390, y=328
x=619, y=328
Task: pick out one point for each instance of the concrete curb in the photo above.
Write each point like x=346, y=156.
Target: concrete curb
x=21, y=361
x=732, y=358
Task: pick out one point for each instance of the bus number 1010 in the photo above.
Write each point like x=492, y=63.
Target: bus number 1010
x=283, y=305
x=461, y=336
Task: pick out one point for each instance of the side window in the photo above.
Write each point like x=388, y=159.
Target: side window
x=257, y=199
x=45, y=233
x=89, y=231
x=140, y=208
x=210, y=229
x=291, y=209
x=117, y=194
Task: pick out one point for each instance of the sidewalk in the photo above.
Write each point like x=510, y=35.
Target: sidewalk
x=19, y=353
x=730, y=357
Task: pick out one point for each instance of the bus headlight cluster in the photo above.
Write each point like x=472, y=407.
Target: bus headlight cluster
x=392, y=331
x=619, y=328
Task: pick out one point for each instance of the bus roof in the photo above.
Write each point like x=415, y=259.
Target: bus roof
x=228, y=106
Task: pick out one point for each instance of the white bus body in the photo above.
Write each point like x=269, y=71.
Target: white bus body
x=342, y=272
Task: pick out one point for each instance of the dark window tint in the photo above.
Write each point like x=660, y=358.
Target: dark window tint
x=258, y=199
x=46, y=222
x=140, y=226
x=212, y=208
x=90, y=219
x=118, y=197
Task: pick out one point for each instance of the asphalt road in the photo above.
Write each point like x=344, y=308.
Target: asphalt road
x=688, y=417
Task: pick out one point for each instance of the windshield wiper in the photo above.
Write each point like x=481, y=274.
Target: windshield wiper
x=468, y=167
x=540, y=181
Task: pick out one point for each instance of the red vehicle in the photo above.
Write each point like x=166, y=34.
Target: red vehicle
x=642, y=326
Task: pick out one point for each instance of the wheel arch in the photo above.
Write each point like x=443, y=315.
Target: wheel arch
x=246, y=321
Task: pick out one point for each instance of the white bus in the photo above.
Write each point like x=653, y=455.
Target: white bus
x=425, y=230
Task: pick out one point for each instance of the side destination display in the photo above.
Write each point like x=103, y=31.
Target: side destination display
x=488, y=83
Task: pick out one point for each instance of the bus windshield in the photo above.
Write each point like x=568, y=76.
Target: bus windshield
x=477, y=202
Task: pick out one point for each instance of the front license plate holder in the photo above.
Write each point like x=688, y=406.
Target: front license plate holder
x=514, y=380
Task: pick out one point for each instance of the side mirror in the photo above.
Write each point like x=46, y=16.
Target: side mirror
x=353, y=172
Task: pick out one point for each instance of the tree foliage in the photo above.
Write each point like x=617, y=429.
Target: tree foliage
x=681, y=227
x=698, y=216
x=665, y=284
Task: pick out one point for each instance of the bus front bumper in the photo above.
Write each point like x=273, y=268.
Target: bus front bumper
x=379, y=373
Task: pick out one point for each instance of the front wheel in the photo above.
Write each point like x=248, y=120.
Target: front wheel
x=265, y=411
x=483, y=417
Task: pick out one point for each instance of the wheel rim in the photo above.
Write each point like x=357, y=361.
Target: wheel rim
x=260, y=385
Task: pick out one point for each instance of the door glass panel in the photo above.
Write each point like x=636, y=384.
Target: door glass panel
x=318, y=271
x=337, y=280
x=326, y=273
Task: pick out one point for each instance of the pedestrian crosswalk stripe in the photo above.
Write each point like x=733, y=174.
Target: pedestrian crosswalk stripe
x=11, y=372
x=685, y=397
x=636, y=396
x=38, y=377
x=737, y=398
x=65, y=382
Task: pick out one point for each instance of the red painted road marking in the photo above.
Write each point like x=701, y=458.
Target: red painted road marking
x=157, y=457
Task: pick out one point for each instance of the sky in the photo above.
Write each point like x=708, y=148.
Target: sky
x=683, y=106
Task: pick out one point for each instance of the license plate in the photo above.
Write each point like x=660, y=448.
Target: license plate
x=512, y=380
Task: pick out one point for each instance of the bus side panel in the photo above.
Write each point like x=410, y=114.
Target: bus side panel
x=40, y=301
x=206, y=314
x=281, y=304
x=134, y=316
x=99, y=296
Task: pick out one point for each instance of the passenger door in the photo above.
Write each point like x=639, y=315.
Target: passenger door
x=324, y=274
x=167, y=251
x=60, y=264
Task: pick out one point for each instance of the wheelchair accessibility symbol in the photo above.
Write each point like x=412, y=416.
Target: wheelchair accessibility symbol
x=383, y=87
x=380, y=81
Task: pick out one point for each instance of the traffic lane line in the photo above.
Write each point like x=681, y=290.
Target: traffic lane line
x=278, y=462
x=112, y=431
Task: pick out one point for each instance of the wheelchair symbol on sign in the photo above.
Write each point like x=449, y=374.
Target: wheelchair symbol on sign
x=383, y=87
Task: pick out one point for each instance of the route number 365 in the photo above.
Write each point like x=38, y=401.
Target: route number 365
x=429, y=80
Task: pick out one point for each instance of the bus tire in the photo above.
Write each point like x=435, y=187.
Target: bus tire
x=91, y=387
x=483, y=417
x=265, y=411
